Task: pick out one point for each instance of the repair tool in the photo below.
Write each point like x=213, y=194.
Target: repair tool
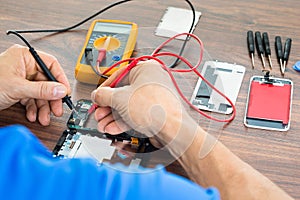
x=260, y=47
x=278, y=47
x=250, y=40
x=107, y=42
x=43, y=66
x=267, y=47
x=286, y=53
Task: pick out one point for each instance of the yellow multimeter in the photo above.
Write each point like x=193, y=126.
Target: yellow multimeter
x=122, y=38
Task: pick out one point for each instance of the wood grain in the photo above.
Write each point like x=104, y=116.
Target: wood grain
x=222, y=28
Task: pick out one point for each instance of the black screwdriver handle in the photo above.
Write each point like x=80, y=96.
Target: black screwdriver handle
x=266, y=43
x=259, y=44
x=287, y=49
x=250, y=40
x=278, y=46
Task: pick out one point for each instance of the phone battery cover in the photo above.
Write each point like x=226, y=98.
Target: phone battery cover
x=269, y=102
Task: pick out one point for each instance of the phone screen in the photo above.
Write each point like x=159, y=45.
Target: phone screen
x=269, y=103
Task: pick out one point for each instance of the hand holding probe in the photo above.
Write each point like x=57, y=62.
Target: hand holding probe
x=43, y=66
x=287, y=49
x=250, y=41
x=278, y=47
x=267, y=47
x=260, y=47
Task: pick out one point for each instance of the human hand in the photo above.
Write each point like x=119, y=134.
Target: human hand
x=22, y=80
x=148, y=102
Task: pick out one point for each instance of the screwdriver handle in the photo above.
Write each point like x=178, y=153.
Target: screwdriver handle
x=287, y=49
x=259, y=44
x=250, y=40
x=266, y=43
x=278, y=46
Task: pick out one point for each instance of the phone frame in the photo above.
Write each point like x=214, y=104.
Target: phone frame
x=267, y=123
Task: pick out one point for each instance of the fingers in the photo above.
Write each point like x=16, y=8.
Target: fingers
x=37, y=109
x=31, y=109
x=102, y=112
x=40, y=109
x=107, y=122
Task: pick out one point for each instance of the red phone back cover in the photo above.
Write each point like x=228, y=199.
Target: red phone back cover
x=270, y=102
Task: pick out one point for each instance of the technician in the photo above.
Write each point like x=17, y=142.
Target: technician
x=148, y=103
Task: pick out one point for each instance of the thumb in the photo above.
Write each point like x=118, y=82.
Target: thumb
x=112, y=97
x=42, y=90
x=102, y=96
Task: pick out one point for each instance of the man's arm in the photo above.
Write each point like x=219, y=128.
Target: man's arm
x=150, y=104
x=234, y=178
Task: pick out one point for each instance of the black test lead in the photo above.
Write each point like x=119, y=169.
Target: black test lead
x=267, y=47
x=250, y=41
x=286, y=53
x=278, y=47
x=45, y=69
x=260, y=47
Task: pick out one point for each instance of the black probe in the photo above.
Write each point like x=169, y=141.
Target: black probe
x=278, y=47
x=250, y=41
x=287, y=49
x=43, y=66
x=267, y=47
x=260, y=47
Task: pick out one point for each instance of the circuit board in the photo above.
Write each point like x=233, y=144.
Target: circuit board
x=80, y=141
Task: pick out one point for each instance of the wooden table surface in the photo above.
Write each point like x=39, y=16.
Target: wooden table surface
x=222, y=28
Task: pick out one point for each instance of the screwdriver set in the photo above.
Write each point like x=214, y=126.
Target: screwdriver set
x=263, y=49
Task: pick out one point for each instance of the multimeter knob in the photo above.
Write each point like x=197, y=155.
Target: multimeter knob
x=114, y=43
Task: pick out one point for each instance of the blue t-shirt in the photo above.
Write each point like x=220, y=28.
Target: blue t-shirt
x=29, y=171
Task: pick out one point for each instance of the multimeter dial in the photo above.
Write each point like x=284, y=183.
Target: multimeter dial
x=118, y=34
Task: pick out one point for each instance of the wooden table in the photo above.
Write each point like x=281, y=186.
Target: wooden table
x=222, y=28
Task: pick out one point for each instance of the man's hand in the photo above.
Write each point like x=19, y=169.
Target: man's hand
x=148, y=103
x=22, y=80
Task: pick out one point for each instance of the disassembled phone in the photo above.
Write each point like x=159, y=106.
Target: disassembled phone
x=122, y=41
x=81, y=141
x=269, y=103
x=225, y=77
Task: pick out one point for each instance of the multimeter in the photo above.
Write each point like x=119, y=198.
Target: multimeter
x=122, y=38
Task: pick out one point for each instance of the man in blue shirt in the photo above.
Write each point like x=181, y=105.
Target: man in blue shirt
x=147, y=102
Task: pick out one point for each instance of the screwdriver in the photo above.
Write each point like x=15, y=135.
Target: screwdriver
x=278, y=47
x=286, y=53
x=267, y=47
x=260, y=47
x=250, y=41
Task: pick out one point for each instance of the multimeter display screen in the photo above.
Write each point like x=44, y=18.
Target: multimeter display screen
x=112, y=28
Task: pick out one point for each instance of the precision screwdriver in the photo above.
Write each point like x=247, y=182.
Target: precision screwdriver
x=260, y=47
x=250, y=41
x=278, y=47
x=267, y=47
x=286, y=53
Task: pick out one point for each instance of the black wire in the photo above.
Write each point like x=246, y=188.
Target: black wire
x=101, y=11
x=20, y=36
x=75, y=25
